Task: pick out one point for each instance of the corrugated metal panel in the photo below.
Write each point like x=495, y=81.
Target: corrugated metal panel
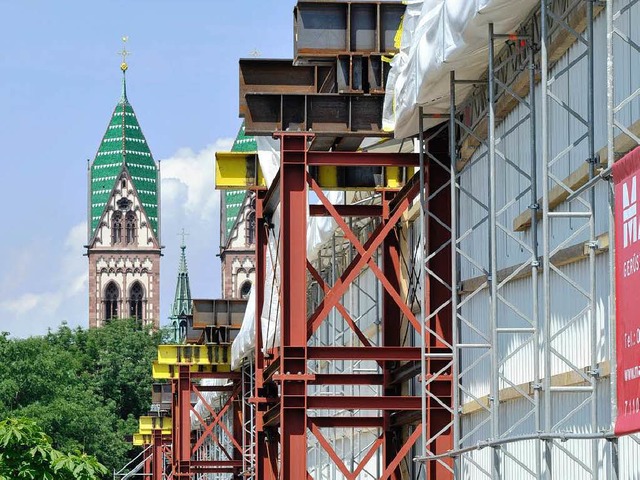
x=564, y=129
x=573, y=342
x=519, y=459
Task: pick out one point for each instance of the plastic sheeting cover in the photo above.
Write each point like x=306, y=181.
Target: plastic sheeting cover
x=438, y=37
x=319, y=230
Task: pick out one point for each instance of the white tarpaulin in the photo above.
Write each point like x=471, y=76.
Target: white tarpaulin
x=438, y=37
x=319, y=230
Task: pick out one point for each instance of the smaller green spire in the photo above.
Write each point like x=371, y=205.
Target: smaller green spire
x=181, y=307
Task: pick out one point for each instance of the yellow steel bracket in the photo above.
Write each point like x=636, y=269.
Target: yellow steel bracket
x=140, y=440
x=238, y=171
x=194, y=354
x=147, y=425
x=167, y=372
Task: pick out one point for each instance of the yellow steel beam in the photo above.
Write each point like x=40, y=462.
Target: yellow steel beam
x=238, y=170
x=148, y=424
x=167, y=372
x=139, y=439
x=194, y=354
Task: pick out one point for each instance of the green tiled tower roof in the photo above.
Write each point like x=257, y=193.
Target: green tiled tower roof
x=235, y=198
x=124, y=146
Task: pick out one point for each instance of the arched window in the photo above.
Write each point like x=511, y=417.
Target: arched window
x=111, y=295
x=250, y=228
x=136, y=295
x=245, y=289
x=130, y=227
x=116, y=228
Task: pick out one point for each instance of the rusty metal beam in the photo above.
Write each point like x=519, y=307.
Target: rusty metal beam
x=329, y=114
x=327, y=29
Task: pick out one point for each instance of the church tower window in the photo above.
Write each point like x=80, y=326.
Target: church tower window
x=251, y=228
x=116, y=228
x=130, y=227
x=245, y=290
x=136, y=295
x=111, y=295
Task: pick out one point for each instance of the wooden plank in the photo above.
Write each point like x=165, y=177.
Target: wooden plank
x=622, y=145
x=565, y=379
x=572, y=254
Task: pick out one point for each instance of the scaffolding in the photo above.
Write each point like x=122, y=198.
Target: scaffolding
x=532, y=237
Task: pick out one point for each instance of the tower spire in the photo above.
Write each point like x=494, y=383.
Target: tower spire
x=124, y=66
x=181, y=307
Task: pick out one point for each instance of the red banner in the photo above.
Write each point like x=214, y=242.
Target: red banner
x=626, y=175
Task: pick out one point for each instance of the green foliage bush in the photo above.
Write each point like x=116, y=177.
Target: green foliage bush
x=26, y=452
x=85, y=388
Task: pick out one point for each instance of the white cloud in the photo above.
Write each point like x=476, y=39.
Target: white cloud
x=190, y=201
x=187, y=181
x=63, y=297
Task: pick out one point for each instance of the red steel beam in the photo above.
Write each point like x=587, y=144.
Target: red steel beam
x=345, y=422
x=347, y=379
x=347, y=210
x=394, y=353
x=365, y=403
x=362, y=159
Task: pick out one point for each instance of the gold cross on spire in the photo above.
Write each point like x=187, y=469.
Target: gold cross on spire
x=124, y=53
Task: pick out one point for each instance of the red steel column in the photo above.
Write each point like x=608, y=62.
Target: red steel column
x=181, y=414
x=391, y=325
x=265, y=451
x=148, y=465
x=157, y=463
x=293, y=305
x=437, y=295
x=237, y=431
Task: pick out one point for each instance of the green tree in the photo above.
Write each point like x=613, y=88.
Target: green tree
x=26, y=453
x=85, y=388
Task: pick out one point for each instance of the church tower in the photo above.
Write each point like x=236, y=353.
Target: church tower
x=124, y=222
x=237, y=230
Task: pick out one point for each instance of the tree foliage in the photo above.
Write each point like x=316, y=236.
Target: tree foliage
x=85, y=388
x=26, y=452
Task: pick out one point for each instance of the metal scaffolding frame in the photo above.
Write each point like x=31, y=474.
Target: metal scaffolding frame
x=477, y=349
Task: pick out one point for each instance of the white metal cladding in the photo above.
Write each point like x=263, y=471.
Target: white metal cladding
x=515, y=147
x=564, y=466
x=519, y=367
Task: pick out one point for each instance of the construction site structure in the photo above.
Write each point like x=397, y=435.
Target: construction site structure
x=436, y=305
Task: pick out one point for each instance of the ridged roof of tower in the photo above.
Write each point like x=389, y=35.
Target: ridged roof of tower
x=243, y=143
x=235, y=198
x=124, y=145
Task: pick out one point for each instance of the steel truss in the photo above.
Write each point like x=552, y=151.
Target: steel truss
x=295, y=379
x=495, y=324
x=216, y=446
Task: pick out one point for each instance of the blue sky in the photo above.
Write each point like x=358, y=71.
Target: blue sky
x=59, y=82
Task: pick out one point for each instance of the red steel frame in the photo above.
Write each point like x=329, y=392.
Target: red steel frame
x=282, y=376
x=184, y=443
